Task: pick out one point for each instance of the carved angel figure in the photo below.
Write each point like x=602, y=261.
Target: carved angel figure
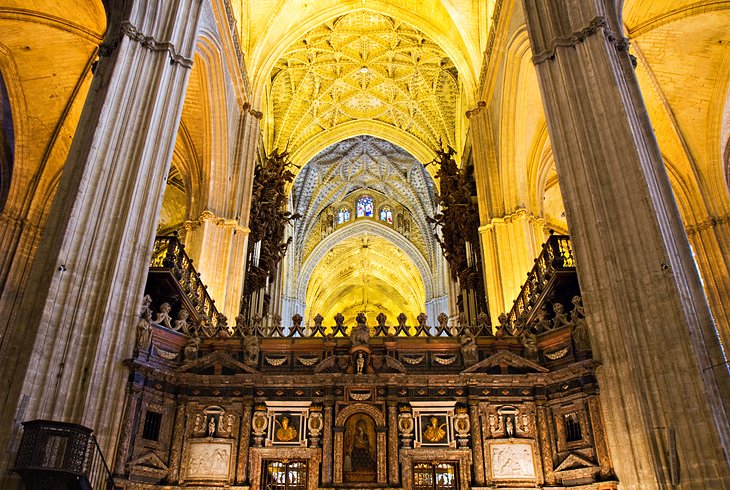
x=163, y=316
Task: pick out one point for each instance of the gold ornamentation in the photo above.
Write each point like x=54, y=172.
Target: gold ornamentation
x=285, y=432
x=434, y=432
x=276, y=361
x=165, y=354
x=308, y=361
x=558, y=354
x=413, y=360
x=444, y=361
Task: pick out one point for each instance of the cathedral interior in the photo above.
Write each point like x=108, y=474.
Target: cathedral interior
x=364, y=244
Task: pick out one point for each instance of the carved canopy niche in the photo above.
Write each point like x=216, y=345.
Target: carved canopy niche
x=351, y=420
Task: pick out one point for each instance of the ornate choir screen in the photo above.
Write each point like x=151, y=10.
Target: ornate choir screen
x=366, y=406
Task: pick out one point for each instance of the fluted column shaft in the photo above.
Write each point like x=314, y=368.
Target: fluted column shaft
x=91, y=265
x=650, y=325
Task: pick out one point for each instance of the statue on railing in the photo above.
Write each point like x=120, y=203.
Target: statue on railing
x=360, y=335
x=181, y=323
x=251, y=349
x=163, y=316
x=192, y=347
x=504, y=328
x=561, y=317
x=144, y=325
x=581, y=338
x=469, y=350
x=529, y=343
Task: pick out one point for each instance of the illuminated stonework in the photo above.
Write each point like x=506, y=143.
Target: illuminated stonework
x=335, y=179
x=364, y=66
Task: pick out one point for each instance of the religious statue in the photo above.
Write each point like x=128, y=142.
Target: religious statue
x=192, y=347
x=144, y=329
x=359, y=448
x=529, y=342
x=469, y=348
x=561, y=317
x=434, y=432
x=503, y=328
x=211, y=427
x=181, y=323
x=251, y=349
x=580, y=328
x=361, y=333
x=360, y=363
x=285, y=432
x=542, y=324
x=163, y=316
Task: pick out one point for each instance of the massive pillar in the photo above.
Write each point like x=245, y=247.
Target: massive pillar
x=664, y=377
x=77, y=324
x=217, y=241
x=510, y=244
x=710, y=241
x=511, y=237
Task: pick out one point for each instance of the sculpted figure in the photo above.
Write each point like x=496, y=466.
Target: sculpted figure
x=251, y=349
x=285, y=432
x=192, y=347
x=469, y=348
x=181, y=324
x=163, y=316
x=434, y=432
x=561, y=317
x=144, y=330
x=529, y=342
x=503, y=328
x=360, y=363
x=211, y=427
x=542, y=324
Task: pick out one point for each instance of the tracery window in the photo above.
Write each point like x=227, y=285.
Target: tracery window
x=284, y=475
x=365, y=207
x=386, y=214
x=430, y=476
x=343, y=215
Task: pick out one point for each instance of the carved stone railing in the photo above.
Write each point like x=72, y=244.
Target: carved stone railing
x=169, y=254
x=555, y=259
x=61, y=455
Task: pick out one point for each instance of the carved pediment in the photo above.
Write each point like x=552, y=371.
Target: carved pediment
x=149, y=466
x=505, y=362
x=203, y=365
x=575, y=461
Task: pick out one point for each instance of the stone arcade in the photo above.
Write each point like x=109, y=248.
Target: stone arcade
x=364, y=244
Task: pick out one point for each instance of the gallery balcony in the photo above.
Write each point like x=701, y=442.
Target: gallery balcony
x=61, y=455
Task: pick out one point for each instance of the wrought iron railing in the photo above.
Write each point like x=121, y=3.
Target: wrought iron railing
x=53, y=454
x=556, y=257
x=169, y=253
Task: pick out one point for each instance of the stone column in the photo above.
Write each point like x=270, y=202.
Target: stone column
x=327, y=444
x=393, y=443
x=218, y=253
x=178, y=436
x=244, y=438
x=710, y=241
x=90, y=269
x=477, y=443
x=217, y=240
x=544, y=441
x=599, y=437
x=510, y=244
x=663, y=366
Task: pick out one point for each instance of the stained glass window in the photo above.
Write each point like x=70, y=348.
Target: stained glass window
x=343, y=216
x=386, y=214
x=365, y=207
